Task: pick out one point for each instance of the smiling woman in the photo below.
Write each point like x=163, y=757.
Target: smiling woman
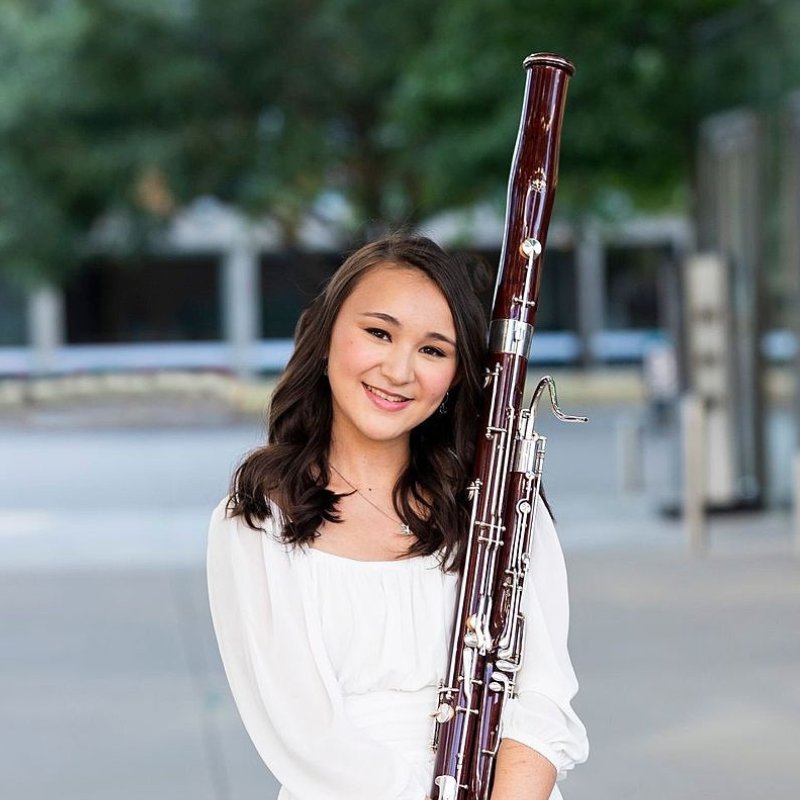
x=333, y=565
x=398, y=327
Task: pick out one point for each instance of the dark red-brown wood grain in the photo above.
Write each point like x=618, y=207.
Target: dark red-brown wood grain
x=531, y=191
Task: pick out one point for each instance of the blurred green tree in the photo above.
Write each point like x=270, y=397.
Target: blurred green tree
x=85, y=124
x=123, y=110
x=632, y=111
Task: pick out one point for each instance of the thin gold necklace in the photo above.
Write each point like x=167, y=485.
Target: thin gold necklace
x=405, y=530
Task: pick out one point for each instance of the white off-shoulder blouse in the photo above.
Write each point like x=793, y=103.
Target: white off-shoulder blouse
x=334, y=663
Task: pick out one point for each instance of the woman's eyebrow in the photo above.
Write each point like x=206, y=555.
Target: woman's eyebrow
x=440, y=337
x=384, y=317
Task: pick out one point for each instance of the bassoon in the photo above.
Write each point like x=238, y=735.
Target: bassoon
x=489, y=627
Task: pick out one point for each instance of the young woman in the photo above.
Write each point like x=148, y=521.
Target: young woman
x=333, y=564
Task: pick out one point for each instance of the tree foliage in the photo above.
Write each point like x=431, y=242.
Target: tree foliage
x=632, y=108
x=135, y=107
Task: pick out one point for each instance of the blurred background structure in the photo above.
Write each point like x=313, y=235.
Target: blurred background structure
x=180, y=176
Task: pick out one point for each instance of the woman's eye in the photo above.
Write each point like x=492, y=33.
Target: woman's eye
x=378, y=333
x=433, y=351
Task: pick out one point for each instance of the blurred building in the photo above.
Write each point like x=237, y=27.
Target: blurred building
x=219, y=292
x=747, y=70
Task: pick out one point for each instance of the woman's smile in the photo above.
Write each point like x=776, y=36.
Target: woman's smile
x=387, y=400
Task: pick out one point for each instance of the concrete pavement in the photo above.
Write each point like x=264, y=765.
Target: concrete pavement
x=110, y=684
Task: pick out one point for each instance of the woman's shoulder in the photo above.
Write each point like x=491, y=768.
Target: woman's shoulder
x=248, y=569
x=265, y=527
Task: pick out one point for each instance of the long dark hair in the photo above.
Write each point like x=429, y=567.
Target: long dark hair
x=292, y=469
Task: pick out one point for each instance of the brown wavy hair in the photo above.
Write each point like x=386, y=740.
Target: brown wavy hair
x=292, y=470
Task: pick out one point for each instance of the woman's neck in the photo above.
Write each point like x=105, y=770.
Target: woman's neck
x=376, y=466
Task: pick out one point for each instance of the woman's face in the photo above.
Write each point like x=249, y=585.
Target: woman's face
x=392, y=356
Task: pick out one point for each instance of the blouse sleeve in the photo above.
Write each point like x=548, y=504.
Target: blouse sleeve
x=541, y=716
x=280, y=677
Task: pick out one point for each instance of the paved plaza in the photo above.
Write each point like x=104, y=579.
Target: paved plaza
x=111, y=687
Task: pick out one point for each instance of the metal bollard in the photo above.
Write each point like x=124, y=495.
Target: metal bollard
x=796, y=490
x=630, y=456
x=694, y=473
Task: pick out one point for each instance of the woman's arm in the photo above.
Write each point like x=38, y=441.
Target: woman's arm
x=521, y=773
x=542, y=734
x=283, y=684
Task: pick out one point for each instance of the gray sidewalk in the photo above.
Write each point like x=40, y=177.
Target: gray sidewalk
x=689, y=675
x=111, y=687
x=689, y=670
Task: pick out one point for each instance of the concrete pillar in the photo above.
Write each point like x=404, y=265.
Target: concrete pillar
x=46, y=328
x=590, y=273
x=241, y=311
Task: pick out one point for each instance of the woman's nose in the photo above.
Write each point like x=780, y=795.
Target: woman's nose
x=398, y=366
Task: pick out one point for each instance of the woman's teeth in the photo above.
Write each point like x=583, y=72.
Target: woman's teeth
x=392, y=398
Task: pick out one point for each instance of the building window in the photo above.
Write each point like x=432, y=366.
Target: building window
x=13, y=315
x=155, y=300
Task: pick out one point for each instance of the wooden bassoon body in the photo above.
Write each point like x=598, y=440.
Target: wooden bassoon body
x=488, y=635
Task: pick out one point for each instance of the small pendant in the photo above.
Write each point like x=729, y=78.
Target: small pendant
x=405, y=530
